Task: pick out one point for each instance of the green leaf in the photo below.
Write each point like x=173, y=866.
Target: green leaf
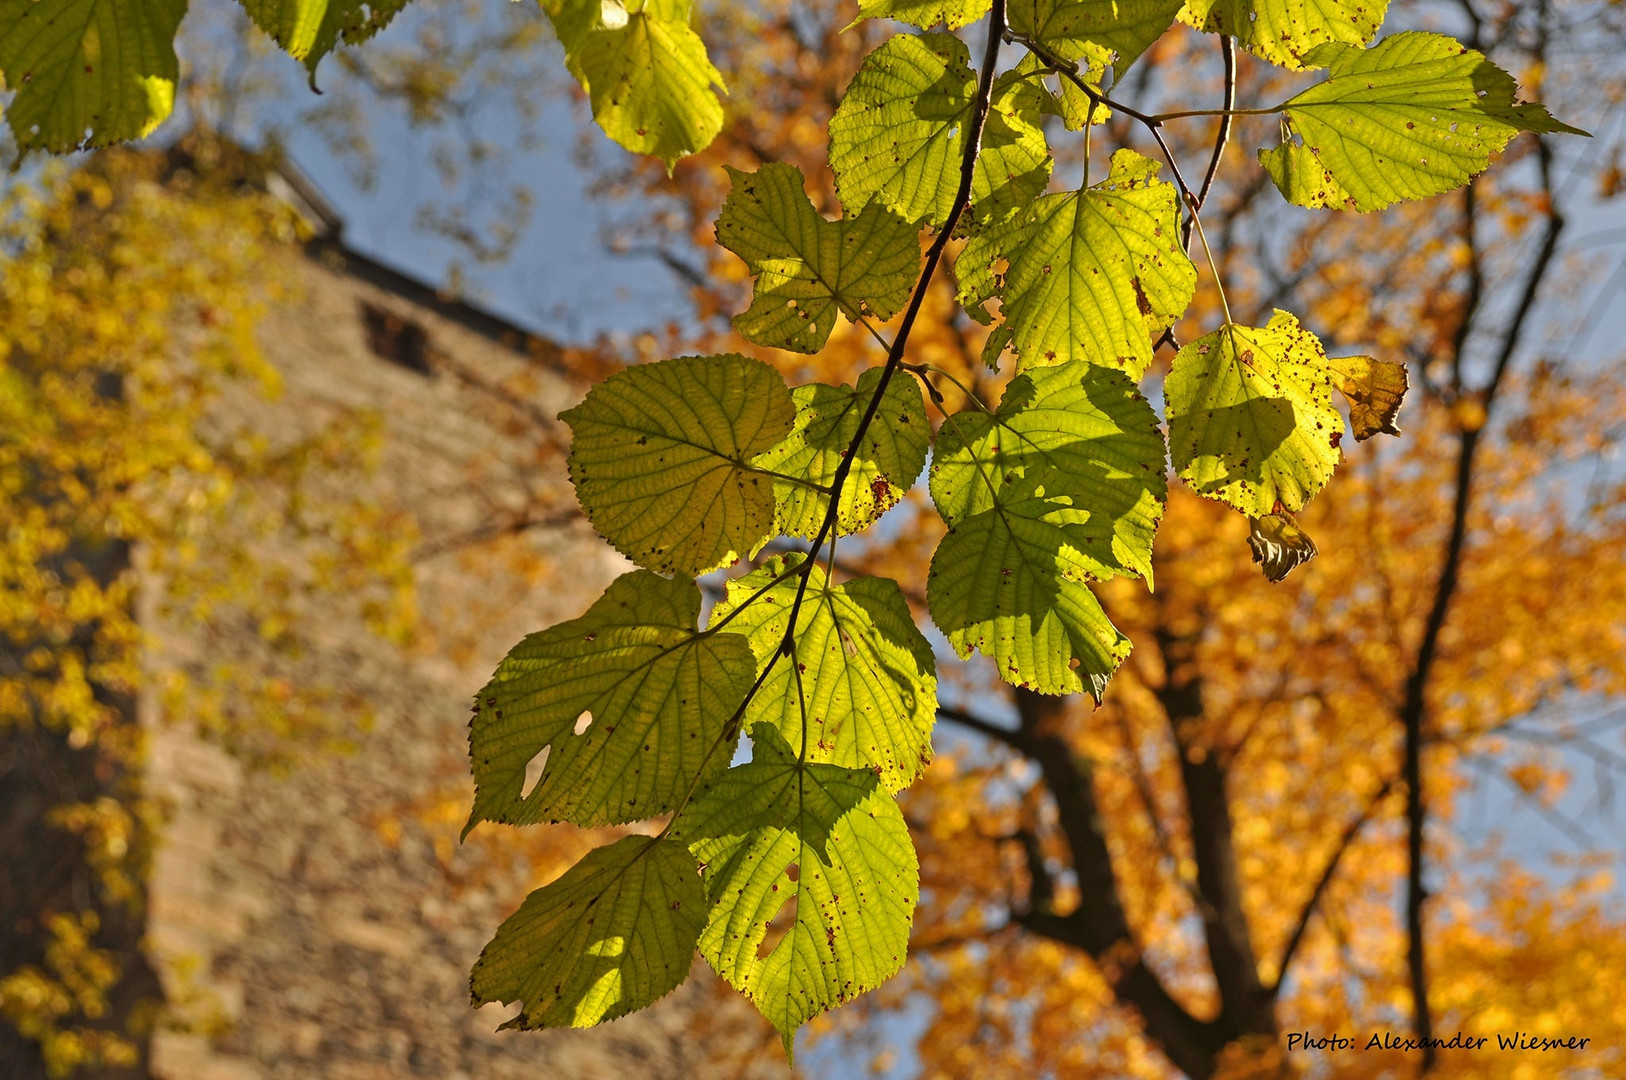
x=1413, y=116
x=862, y=670
x=1251, y=419
x=630, y=703
x=884, y=467
x=310, y=29
x=1302, y=180
x=661, y=459
x=88, y=73
x=898, y=136
x=820, y=856
x=645, y=71
x=923, y=13
x=1285, y=31
x=808, y=268
x=1111, y=32
x=1063, y=485
x=614, y=934
x=1092, y=275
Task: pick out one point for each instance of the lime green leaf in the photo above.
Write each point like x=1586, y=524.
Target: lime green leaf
x=1251, y=420
x=88, y=72
x=661, y=459
x=1284, y=31
x=614, y=934
x=1413, y=116
x=1302, y=180
x=1089, y=438
x=310, y=29
x=1112, y=32
x=883, y=468
x=863, y=671
x=1092, y=275
x=898, y=136
x=645, y=71
x=817, y=855
x=629, y=702
x=923, y=13
x=1063, y=485
x=808, y=268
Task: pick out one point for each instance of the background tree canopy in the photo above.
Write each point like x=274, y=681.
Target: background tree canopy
x=970, y=282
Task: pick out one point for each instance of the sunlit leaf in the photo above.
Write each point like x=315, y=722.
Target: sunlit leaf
x=898, y=136
x=808, y=268
x=1092, y=275
x=863, y=681
x=629, y=702
x=1374, y=389
x=884, y=465
x=924, y=13
x=1064, y=485
x=1251, y=420
x=1107, y=32
x=818, y=857
x=645, y=71
x=87, y=72
x=1284, y=31
x=310, y=29
x=616, y=933
x=1413, y=116
x=660, y=458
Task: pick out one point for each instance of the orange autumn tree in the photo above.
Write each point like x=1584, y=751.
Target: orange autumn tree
x=1223, y=852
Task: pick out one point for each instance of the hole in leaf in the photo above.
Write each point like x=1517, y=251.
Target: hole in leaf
x=533, y=771
x=583, y=722
x=778, y=926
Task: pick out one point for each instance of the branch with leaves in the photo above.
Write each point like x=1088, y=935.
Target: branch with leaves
x=793, y=873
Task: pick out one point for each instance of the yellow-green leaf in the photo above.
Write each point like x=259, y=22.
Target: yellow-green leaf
x=645, y=71
x=1089, y=275
x=923, y=13
x=1413, y=116
x=310, y=29
x=1063, y=485
x=817, y=856
x=1251, y=420
x=884, y=465
x=661, y=458
x=616, y=933
x=1284, y=31
x=862, y=678
x=621, y=710
x=1107, y=32
x=87, y=73
x=898, y=136
x=808, y=268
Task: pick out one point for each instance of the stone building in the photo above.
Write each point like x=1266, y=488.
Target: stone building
x=318, y=922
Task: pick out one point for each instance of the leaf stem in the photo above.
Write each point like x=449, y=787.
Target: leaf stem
x=1213, y=267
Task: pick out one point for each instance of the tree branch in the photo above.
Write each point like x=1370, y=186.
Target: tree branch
x=1328, y=872
x=1098, y=925
x=1415, y=703
x=1245, y=1006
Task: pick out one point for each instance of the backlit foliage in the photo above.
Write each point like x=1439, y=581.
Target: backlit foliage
x=1047, y=497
